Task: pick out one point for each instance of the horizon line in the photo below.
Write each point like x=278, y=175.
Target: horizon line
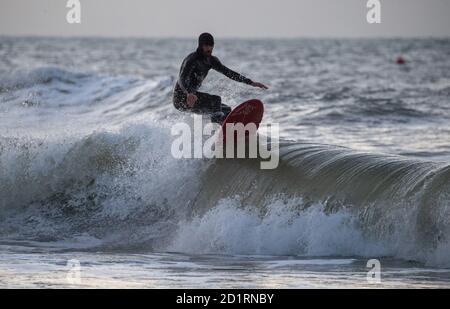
x=94, y=36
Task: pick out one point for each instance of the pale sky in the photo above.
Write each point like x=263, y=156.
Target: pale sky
x=226, y=18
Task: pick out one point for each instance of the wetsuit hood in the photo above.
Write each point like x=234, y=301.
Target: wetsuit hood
x=205, y=39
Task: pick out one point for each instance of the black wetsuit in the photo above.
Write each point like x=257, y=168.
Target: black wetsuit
x=193, y=71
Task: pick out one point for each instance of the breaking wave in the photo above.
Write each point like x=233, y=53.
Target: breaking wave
x=118, y=187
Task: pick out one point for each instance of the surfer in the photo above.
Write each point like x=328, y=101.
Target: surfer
x=194, y=69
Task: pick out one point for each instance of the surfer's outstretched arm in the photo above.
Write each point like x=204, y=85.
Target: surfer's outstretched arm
x=219, y=67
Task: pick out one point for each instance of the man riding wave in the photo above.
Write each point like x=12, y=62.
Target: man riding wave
x=194, y=69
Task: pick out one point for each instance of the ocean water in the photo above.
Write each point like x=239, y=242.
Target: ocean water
x=88, y=182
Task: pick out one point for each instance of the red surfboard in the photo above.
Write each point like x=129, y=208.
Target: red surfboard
x=250, y=111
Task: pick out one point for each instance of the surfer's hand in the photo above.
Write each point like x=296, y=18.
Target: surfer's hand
x=259, y=85
x=191, y=99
